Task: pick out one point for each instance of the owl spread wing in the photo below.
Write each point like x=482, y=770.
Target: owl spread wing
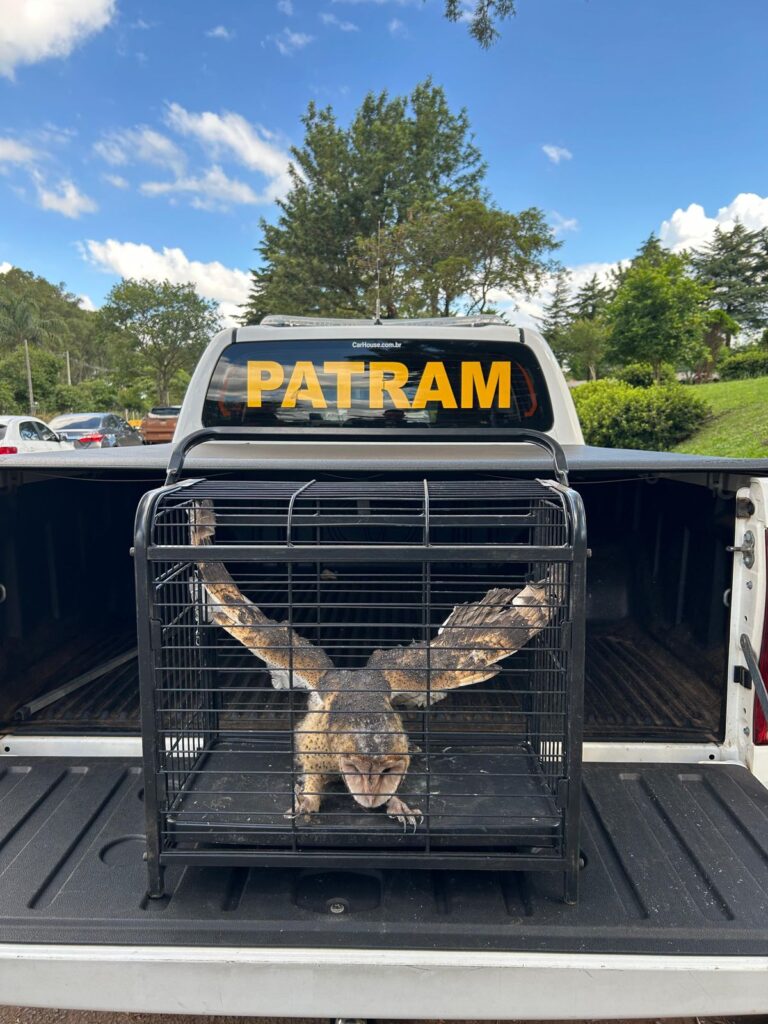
x=279, y=646
x=469, y=645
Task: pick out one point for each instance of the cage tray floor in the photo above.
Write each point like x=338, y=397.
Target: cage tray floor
x=480, y=796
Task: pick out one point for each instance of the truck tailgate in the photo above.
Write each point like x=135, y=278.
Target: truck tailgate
x=676, y=862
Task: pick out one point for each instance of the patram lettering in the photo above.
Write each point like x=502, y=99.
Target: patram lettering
x=382, y=383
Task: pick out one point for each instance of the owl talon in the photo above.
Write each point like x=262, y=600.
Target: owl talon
x=404, y=814
x=306, y=805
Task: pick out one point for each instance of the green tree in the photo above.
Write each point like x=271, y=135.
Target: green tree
x=397, y=155
x=47, y=370
x=21, y=320
x=658, y=313
x=591, y=300
x=168, y=326
x=482, y=17
x=735, y=266
x=21, y=326
x=585, y=344
x=69, y=327
x=557, y=315
x=719, y=328
x=454, y=257
x=651, y=252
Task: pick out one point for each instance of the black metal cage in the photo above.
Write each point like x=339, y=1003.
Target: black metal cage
x=380, y=673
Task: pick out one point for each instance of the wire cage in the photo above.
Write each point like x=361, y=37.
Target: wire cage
x=381, y=673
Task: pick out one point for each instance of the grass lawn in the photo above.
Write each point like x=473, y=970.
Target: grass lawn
x=739, y=426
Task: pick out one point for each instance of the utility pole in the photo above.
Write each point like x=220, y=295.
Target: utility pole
x=377, y=317
x=69, y=370
x=29, y=379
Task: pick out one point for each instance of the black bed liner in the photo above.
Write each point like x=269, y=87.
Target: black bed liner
x=676, y=862
x=627, y=695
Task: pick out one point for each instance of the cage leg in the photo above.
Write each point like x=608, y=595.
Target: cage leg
x=155, y=876
x=571, y=884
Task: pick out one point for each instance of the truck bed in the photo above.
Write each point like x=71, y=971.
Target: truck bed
x=656, y=841
x=635, y=689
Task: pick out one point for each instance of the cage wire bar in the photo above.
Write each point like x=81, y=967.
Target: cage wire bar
x=491, y=770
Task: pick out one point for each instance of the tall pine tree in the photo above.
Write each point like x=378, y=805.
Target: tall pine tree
x=591, y=300
x=735, y=265
x=557, y=315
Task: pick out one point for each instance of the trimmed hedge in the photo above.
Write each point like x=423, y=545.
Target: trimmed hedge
x=640, y=375
x=752, y=362
x=614, y=414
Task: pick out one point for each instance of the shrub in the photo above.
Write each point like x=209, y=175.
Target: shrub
x=614, y=414
x=89, y=395
x=640, y=375
x=8, y=404
x=751, y=362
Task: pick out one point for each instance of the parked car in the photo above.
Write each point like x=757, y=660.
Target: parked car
x=159, y=425
x=28, y=434
x=96, y=430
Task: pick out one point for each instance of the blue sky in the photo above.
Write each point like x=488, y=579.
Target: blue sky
x=149, y=138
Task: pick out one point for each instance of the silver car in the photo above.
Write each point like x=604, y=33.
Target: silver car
x=96, y=430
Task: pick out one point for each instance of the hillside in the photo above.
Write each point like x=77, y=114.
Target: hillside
x=740, y=423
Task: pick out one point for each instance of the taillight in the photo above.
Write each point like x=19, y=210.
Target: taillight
x=759, y=724
x=92, y=439
x=8, y=449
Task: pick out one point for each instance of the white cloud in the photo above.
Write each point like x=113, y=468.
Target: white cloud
x=33, y=30
x=692, y=228
x=65, y=198
x=86, y=302
x=329, y=18
x=116, y=180
x=229, y=133
x=226, y=285
x=561, y=224
x=396, y=27
x=285, y=7
x=557, y=153
x=140, y=144
x=212, y=191
x=221, y=32
x=14, y=152
x=54, y=134
x=289, y=42
x=5, y=267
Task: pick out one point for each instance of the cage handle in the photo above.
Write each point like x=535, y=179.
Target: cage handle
x=549, y=444
x=198, y=437
x=511, y=435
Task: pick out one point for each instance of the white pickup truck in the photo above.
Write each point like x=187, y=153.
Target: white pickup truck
x=672, y=916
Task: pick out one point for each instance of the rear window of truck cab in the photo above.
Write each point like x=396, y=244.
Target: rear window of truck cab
x=370, y=383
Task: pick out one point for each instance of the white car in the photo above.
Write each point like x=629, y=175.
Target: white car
x=28, y=434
